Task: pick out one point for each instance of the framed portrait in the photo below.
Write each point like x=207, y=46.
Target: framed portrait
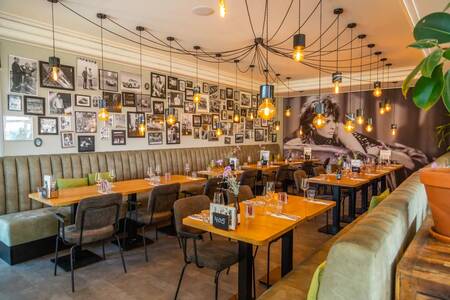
x=173, y=134
x=23, y=74
x=214, y=106
x=176, y=99
x=189, y=107
x=222, y=94
x=203, y=105
x=143, y=103
x=246, y=99
x=243, y=112
x=238, y=138
x=67, y=140
x=59, y=103
x=128, y=99
x=34, y=105
x=154, y=122
x=196, y=133
x=204, y=132
x=212, y=136
x=85, y=122
x=264, y=123
x=189, y=94
x=118, y=137
x=181, y=85
x=196, y=121
x=206, y=119
x=130, y=81
x=95, y=100
x=257, y=122
x=230, y=105
x=205, y=88
x=248, y=134
x=158, y=86
x=14, y=102
x=113, y=102
x=189, y=84
x=237, y=95
x=87, y=74
x=223, y=115
x=65, y=81
x=273, y=137
x=135, y=123
x=158, y=107
x=119, y=121
x=82, y=100
x=109, y=80
x=254, y=101
x=215, y=121
x=259, y=135
x=47, y=126
x=86, y=143
x=17, y=128
x=166, y=113
x=155, y=138
x=172, y=83
x=248, y=124
x=213, y=92
x=227, y=140
x=65, y=123
x=229, y=93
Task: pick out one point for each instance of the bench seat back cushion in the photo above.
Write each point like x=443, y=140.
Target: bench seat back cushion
x=66, y=183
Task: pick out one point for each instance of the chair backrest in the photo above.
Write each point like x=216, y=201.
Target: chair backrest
x=298, y=175
x=162, y=197
x=326, y=162
x=245, y=193
x=308, y=168
x=185, y=207
x=282, y=173
x=211, y=186
x=248, y=177
x=319, y=170
x=98, y=212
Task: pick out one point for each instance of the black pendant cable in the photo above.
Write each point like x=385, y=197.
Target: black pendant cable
x=369, y=125
x=170, y=39
x=387, y=102
x=336, y=77
x=394, y=127
x=251, y=115
x=349, y=124
x=287, y=111
x=219, y=130
x=236, y=117
x=197, y=92
x=377, y=84
x=319, y=120
x=54, y=63
x=140, y=29
x=103, y=114
x=360, y=110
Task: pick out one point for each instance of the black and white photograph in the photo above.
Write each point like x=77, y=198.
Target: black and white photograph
x=59, y=103
x=128, y=99
x=65, y=79
x=214, y=106
x=237, y=95
x=130, y=81
x=85, y=122
x=87, y=74
x=175, y=112
x=189, y=94
x=175, y=99
x=14, y=102
x=229, y=93
x=67, y=140
x=243, y=112
x=113, y=101
x=173, y=134
x=215, y=121
x=212, y=136
x=186, y=124
x=158, y=107
x=259, y=135
x=223, y=115
x=213, y=92
x=135, y=124
x=189, y=107
x=82, y=100
x=264, y=123
x=155, y=138
x=205, y=88
x=254, y=101
x=274, y=137
x=158, y=86
x=238, y=138
x=109, y=80
x=118, y=137
x=47, y=126
x=96, y=100
x=189, y=84
x=204, y=132
x=154, y=122
x=206, y=119
x=17, y=128
x=143, y=103
x=246, y=99
x=196, y=121
x=181, y=85
x=23, y=74
x=248, y=124
x=203, y=105
x=230, y=105
x=227, y=140
x=196, y=133
x=172, y=83
x=248, y=134
x=65, y=123
x=223, y=95
x=34, y=105
x=119, y=121
x=86, y=143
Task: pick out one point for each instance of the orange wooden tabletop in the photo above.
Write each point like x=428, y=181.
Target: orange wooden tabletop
x=263, y=228
x=216, y=172
x=294, y=162
x=261, y=168
x=74, y=195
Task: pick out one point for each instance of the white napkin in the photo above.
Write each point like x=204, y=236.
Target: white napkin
x=196, y=217
x=284, y=216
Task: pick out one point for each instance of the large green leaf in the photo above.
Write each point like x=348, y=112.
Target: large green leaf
x=446, y=92
x=428, y=90
x=447, y=54
x=424, y=44
x=407, y=82
x=431, y=61
x=433, y=26
x=447, y=7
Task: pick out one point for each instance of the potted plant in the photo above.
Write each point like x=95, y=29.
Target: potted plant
x=430, y=33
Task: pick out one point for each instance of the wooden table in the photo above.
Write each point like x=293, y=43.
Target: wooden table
x=261, y=230
x=294, y=162
x=267, y=168
x=424, y=270
x=216, y=172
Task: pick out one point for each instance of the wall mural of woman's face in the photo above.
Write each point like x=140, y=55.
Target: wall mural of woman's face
x=329, y=130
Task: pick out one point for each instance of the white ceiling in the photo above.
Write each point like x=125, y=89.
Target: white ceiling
x=385, y=22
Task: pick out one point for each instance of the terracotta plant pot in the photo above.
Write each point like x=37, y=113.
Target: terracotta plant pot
x=437, y=185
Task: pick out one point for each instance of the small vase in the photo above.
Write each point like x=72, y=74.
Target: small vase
x=238, y=210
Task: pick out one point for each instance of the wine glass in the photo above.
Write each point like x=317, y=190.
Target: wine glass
x=187, y=169
x=98, y=178
x=218, y=198
x=158, y=170
x=304, y=185
x=150, y=173
x=112, y=174
x=270, y=189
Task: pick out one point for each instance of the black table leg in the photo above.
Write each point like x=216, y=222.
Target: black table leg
x=351, y=207
x=336, y=226
x=287, y=246
x=83, y=257
x=245, y=280
x=73, y=212
x=364, y=200
x=375, y=187
x=383, y=183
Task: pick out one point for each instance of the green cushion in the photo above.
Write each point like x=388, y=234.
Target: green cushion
x=377, y=199
x=103, y=175
x=66, y=183
x=315, y=282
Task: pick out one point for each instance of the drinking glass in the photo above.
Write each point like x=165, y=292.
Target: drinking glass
x=187, y=169
x=270, y=189
x=304, y=185
x=98, y=178
x=158, y=170
x=150, y=173
x=218, y=198
x=112, y=174
x=311, y=193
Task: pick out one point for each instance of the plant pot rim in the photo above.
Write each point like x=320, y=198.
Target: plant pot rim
x=438, y=177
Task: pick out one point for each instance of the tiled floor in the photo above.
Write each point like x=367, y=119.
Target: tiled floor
x=156, y=279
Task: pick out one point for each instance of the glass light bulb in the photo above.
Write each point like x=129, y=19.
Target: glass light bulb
x=298, y=54
x=319, y=121
x=382, y=110
x=369, y=127
x=251, y=116
x=287, y=112
x=266, y=110
x=394, y=131
x=219, y=131
x=360, y=120
x=103, y=114
x=349, y=126
x=54, y=73
x=336, y=87
x=387, y=107
x=377, y=92
x=222, y=9
x=142, y=128
x=171, y=119
x=277, y=127
x=300, y=132
x=236, y=118
x=196, y=98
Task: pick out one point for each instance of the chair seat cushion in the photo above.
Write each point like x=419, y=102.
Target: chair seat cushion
x=217, y=255
x=72, y=235
x=144, y=217
x=31, y=225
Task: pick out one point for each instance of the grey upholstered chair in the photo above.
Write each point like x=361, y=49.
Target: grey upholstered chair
x=211, y=186
x=282, y=178
x=158, y=212
x=96, y=220
x=248, y=178
x=217, y=255
x=245, y=193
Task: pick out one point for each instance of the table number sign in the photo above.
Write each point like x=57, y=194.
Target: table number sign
x=222, y=216
x=385, y=155
x=356, y=165
x=264, y=156
x=307, y=153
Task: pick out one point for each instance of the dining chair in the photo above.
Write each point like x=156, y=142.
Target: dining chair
x=245, y=193
x=298, y=176
x=308, y=167
x=159, y=210
x=217, y=255
x=96, y=220
x=248, y=178
x=282, y=178
x=212, y=185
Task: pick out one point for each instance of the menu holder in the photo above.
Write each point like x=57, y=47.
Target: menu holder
x=307, y=153
x=223, y=216
x=356, y=165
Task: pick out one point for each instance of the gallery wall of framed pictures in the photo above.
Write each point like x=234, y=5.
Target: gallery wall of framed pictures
x=64, y=113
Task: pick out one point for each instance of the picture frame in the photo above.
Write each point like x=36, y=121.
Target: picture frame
x=65, y=123
x=238, y=138
x=205, y=88
x=17, y=82
x=203, y=105
x=196, y=120
x=259, y=135
x=158, y=86
x=154, y=122
x=189, y=84
x=222, y=94
x=118, y=137
x=214, y=106
x=188, y=94
x=119, y=121
x=15, y=102
x=108, y=80
x=59, y=103
x=181, y=85
x=17, y=128
x=274, y=137
x=143, y=103
x=215, y=121
x=175, y=99
x=229, y=93
x=48, y=126
x=189, y=107
x=82, y=100
x=213, y=92
x=230, y=105
x=186, y=124
x=96, y=100
x=128, y=99
x=196, y=133
x=206, y=119
x=172, y=83
x=87, y=74
x=134, y=122
x=158, y=107
x=246, y=99
x=85, y=122
x=66, y=77
x=113, y=102
x=227, y=140
x=237, y=95
x=212, y=136
x=33, y=105
x=130, y=81
x=155, y=138
x=173, y=135
x=67, y=140
x=86, y=143
x=223, y=115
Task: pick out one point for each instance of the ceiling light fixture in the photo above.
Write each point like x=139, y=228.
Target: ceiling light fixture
x=336, y=77
x=197, y=91
x=299, y=40
x=54, y=63
x=103, y=113
x=171, y=118
x=369, y=125
x=251, y=115
x=222, y=8
x=387, y=101
x=360, y=110
x=350, y=117
x=287, y=111
x=377, y=84
x=319, y=120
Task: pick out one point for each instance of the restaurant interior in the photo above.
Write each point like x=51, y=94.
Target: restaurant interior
x=225, y=149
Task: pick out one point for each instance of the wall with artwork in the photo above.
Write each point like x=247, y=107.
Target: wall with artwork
x=40, y=115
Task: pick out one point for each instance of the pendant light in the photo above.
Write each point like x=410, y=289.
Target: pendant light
x=336, y=77
x=287, y=111
x=197, y=91
x=251, y=115
x=171, y=118
x=299, y=40
x=349, y=125
x=360, y=110
x=387, y=101
x=219, y=130
x=393, y=125
x=140, y=29
x=319, y=120
x=369, y=125
x=222, y=8
x=381, y=108
x=103, y=113
x=377, y=84
x=54, y=63
x=277, y=125
x=266, y=110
